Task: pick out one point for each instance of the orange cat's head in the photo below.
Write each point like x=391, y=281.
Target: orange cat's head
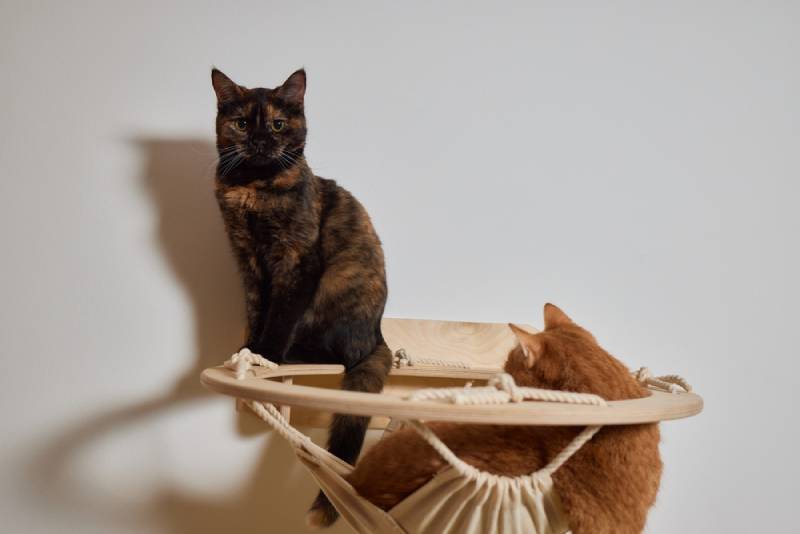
x=567, y=357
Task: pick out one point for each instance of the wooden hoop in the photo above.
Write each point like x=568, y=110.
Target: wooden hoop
x=659, y=406
x=482, y=346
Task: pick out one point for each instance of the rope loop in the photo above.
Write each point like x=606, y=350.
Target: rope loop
x=241, y=363
x=505, y=382
x=668, y=383
x=502, y=389
x=244, y=360
x=471, y=472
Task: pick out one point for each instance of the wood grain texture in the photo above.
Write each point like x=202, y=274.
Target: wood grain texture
x=478, y=344
x=314, y=393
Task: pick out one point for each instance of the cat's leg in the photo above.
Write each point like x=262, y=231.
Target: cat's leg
x=256, y=294
x=289, y=298
x=253, y=280
x=257, y=301
x=367, y=360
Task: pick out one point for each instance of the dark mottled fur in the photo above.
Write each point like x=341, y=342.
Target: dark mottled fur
x=312, y=264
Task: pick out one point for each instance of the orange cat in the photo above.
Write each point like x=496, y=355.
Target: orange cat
x=608, y=486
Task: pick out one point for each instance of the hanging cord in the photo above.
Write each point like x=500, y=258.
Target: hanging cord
x=272, y=416
x=472, y=472
x=241, y=363
x=567, y=452
x=501, y=390
x=668, y=383
x=403, y=359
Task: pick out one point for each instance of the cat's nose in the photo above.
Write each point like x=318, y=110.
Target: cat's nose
x=260, y=144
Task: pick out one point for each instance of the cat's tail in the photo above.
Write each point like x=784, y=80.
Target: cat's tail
x=347, y=431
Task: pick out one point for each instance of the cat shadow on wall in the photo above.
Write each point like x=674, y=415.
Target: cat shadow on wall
x=178, y=179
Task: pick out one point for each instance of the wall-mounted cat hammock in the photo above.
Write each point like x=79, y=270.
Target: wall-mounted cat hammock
x=447, y=355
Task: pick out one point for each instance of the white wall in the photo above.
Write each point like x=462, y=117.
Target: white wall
x=635, y=164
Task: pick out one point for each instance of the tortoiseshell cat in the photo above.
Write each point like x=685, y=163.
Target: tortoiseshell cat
x=607, y=487
x=311, y=261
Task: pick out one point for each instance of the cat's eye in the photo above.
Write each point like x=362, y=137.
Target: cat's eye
x=278, y=124
x=241, y=124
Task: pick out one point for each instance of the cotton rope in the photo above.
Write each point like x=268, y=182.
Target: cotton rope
x=502, y=389
x=468, y=471
x=403, y=359
x=242, y=361
x=668, y=383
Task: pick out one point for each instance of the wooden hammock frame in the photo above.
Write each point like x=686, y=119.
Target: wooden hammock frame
x=464, y=352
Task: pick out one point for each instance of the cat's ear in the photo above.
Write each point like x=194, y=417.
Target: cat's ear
x=531, y=344
x=293, y=89
x=554, y=317
x=225, y=88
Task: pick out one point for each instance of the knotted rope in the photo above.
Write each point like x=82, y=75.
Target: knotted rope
x=502, y=389
x=403, y=359
x=242, y=361
x=669, y=383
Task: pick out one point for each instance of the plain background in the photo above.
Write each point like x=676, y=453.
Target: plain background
x=634, y=162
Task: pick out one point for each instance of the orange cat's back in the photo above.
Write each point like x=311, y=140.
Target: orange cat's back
x=607, y=487
x=611, y=483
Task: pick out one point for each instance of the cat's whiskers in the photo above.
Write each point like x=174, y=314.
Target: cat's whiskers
x=286, y=160
x=212, y=156
x=228, y=168
x=230, y=160
x=206, y=150
x=223, y=155
x=226, y=158
x=235, y=163
x=289, y=157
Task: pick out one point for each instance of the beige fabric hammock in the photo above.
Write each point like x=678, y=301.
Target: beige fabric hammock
x=460, y=498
